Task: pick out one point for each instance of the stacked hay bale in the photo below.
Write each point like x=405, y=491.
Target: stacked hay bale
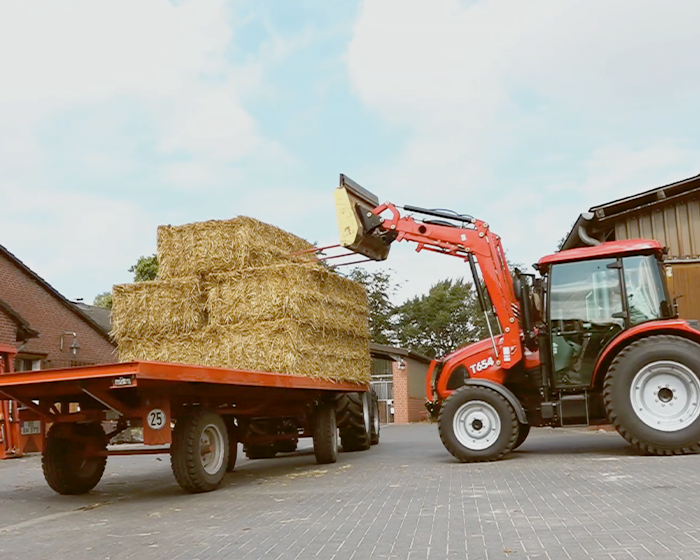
x=229, y=295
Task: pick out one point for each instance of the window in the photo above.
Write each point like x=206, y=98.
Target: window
x=646, y=297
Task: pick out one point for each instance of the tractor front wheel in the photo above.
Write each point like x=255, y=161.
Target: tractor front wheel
x=652, y=395
x=477, y=424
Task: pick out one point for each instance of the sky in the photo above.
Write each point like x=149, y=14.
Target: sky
x=117, y=116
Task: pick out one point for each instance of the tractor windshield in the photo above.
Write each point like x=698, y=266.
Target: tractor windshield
x=646, y=296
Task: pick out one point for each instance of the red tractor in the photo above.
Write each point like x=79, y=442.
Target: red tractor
x=593, y=338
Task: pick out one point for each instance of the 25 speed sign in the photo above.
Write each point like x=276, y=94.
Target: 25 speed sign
x=156, y=419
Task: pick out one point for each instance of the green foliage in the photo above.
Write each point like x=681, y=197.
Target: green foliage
x=146, y=268
x=441, y=321
x=380, y=287
x=103, y=300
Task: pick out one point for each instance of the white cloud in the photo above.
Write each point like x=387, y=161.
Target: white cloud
x=527, y=113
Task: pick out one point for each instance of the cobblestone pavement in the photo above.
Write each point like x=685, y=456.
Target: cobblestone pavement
x=564, y=494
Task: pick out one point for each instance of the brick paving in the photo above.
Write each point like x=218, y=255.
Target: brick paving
x=566, y=494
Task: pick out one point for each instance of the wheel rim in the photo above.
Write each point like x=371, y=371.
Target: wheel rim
x=665, y=396
x=365, y=412
x=211, y=449
x=375, y=421
x=334, y=432
x=476, y=425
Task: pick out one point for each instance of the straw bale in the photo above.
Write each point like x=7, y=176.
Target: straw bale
x=160, y=307
x=306, y=293
x=278, y=346
x=223, y=245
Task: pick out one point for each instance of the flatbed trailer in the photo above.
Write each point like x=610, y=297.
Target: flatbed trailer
x=196, y=414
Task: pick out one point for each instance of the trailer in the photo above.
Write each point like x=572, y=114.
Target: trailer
x=196, y=414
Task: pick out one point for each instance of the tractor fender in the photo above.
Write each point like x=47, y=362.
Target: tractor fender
x=504, y=392
x=678, y=327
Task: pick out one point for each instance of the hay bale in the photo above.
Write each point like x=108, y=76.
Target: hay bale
x=277, y=346
x=161, y=307
x=306, y=293
x=223, y=245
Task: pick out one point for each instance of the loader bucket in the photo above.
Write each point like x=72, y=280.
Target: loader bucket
x=356, y=225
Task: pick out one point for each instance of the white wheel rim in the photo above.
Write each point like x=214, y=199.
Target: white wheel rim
x=665, y=396
x=211, y=449
x=334, y=431
x=476, y=425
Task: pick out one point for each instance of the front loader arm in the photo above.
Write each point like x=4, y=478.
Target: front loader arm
x=475, y=239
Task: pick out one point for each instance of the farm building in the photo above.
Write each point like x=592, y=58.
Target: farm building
x=671, y=215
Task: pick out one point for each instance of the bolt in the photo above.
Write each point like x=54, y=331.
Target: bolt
x=393, y=226
x=369, y=214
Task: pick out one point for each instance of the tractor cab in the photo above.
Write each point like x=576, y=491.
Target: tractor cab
x=591, y=295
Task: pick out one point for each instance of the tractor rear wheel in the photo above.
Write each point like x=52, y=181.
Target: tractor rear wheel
x=477, y=424
x=199, y=453
x=353, y=415
x=652, y=395
x=74, y=457
x=523, y=432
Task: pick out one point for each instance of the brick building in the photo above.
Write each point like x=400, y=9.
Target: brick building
x=48, y=330
x=398, y=376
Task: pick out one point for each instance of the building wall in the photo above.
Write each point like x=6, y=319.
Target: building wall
x=51, y=317
x=409, y=391
x=8, y=330
x=676, y=226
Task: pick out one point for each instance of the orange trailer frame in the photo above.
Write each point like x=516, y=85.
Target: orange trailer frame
x=154, y=395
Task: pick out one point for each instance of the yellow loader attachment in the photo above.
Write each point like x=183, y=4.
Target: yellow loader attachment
x=358, y=228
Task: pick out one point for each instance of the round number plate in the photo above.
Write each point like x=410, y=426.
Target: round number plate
x=156, y=419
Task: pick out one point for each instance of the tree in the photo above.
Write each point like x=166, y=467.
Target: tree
x=103, y=300
x=441, y=321
x=380, y=287
x=146, y=268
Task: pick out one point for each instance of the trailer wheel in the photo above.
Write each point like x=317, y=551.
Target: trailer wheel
x=353, y=413
x=69, y=461
x=374, y=435
x=200, y=451
x=523, y=432
x=232, y=454
x=325, y=434
x=652, y=395
x=477, y=424
x=260, y=451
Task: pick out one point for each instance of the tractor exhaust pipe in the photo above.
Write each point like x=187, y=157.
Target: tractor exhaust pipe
x=583, y=230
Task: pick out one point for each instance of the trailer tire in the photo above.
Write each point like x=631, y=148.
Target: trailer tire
x=199, y=454
x=325, y=434
x=260, y=451
x=67, y=469
x=352, y=411
x=232, y=454
x=477, y=424
x=374, y=434
x=523, y=432
x=643, y=378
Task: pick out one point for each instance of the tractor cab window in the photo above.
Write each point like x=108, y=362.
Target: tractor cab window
x=585, y=310
x=646, y=297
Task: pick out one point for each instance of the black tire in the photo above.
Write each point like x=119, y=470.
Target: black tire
x=194, y=470
x=325, y=434
x=523, y=432
x=232, y=454
x=286, y=445
x=66, y=467
x=631, y=384
x=487, y=410
x=374, y=433
x=352, y=412
x=260, y=451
